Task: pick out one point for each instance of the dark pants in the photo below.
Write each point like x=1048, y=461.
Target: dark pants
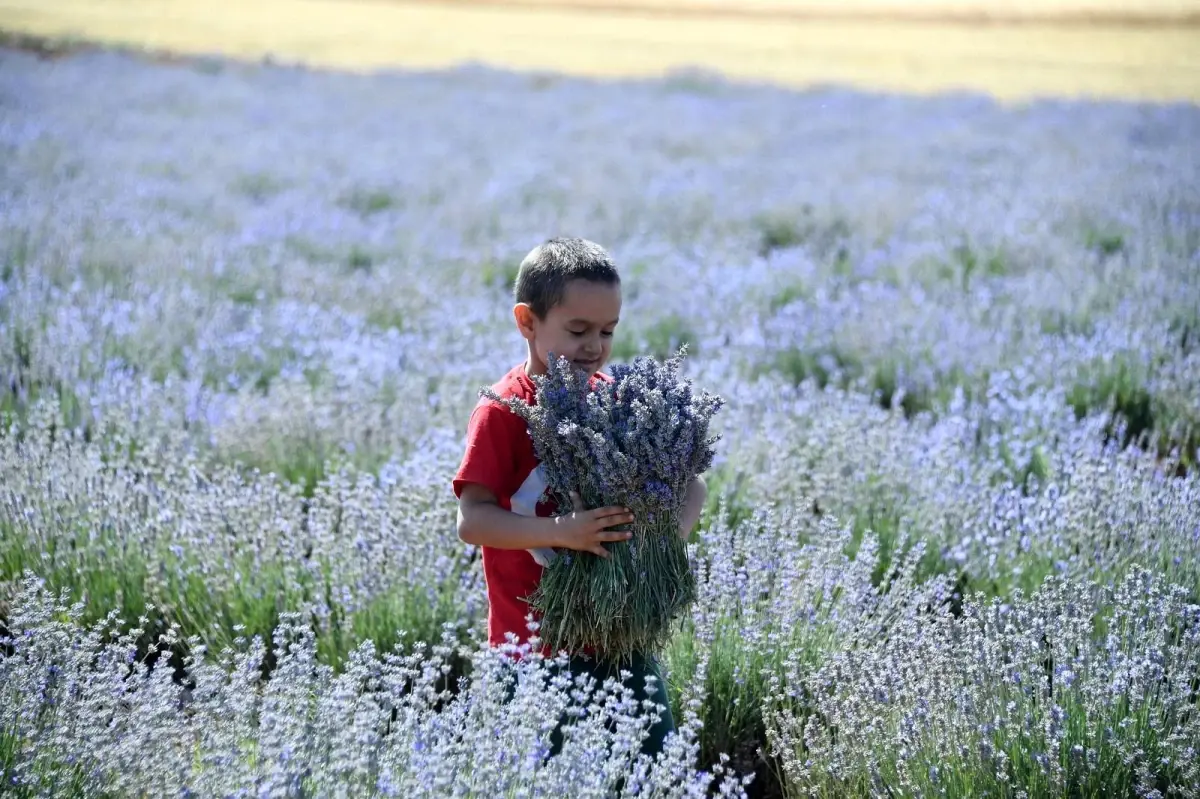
x=640, y=667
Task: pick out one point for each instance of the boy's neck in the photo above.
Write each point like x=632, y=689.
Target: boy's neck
x=532, y=367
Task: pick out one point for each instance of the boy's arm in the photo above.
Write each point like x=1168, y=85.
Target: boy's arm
x=482, y=522
x=693, y=506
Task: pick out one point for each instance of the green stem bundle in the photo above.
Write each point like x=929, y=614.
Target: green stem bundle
x=624, y=604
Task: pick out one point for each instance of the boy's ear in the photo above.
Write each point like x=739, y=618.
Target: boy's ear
x=526, y=320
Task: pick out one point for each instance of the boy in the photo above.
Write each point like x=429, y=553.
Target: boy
x=568, y=302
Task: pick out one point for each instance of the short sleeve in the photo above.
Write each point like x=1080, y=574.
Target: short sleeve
x=490, y=457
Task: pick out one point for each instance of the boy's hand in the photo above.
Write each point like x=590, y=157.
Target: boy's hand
x=588, y=530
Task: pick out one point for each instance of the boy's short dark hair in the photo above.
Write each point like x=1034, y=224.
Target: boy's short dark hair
x=548, y=268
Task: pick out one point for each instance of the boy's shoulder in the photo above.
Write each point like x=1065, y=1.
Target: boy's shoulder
x=514, y=384
x=491, y=414
x=517, y=384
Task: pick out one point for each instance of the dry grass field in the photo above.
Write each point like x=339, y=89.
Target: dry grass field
x=1103, y=48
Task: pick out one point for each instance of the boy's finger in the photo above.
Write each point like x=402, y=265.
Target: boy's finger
x=604, y=513
x=599, y=551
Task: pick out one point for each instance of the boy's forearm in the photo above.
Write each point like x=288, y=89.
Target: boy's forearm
x=490, y=525
x=485, y=524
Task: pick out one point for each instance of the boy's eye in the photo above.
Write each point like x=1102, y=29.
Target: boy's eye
x=607, y=334
x=577, y=332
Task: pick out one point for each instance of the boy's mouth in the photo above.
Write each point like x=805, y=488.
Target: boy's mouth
x=587, y=366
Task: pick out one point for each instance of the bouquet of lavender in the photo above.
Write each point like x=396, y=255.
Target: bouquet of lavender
x=637, y=441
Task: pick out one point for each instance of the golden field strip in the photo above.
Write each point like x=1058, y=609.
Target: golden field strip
x=1016, y=50
x=1154, y=13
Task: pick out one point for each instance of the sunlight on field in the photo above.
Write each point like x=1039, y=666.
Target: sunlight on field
x=951, y=540
x=1160, y=12
x=1025, y=8
x=1011, y=62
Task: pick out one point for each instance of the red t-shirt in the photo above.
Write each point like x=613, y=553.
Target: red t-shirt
x=500, y=456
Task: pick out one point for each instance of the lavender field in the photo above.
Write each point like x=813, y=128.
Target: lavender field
x=953, y=541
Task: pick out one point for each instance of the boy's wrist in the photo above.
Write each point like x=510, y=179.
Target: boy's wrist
x=554, y=533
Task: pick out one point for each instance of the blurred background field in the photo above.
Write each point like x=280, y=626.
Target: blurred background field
x=952, y=545
x=1100, y=48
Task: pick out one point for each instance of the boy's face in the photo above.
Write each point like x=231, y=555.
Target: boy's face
x=580, y=328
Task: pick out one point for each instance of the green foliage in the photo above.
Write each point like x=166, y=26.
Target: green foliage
x=238, y=286
x=245, y=296
x=842, y=265
x=1116, y=387
x=661, y=339
x=1136, y=416
x=882, y=521
x=726, y=497
x=970, y=262
x=784, y=229
x=67, y=780
x=1185, y=323
x=170, y=586
x=779, y=234
x=258, y=186
x=627, y=603
x=1054, y=322
x=500, y=273
x=1105, y=242
x=415, y=613
x=887, y=384
x=359, y=260
x=220, y=616
x=1098, y=746
x=386, y=317
x=22, y=394
x=1036, y=471
x=310, y=251
x=116, y=580
x=790, y=293
x=825, y=366
x=367, y=202
x=300, y=461
x=16, y=255
x=735, y=690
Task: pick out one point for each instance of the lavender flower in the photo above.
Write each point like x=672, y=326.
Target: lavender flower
x=637, y=441
x=235, y=361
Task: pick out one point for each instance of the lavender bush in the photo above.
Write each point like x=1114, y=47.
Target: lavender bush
x=1079, y=689
x=636, y=441
x=81, y=714
x=955, y=504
